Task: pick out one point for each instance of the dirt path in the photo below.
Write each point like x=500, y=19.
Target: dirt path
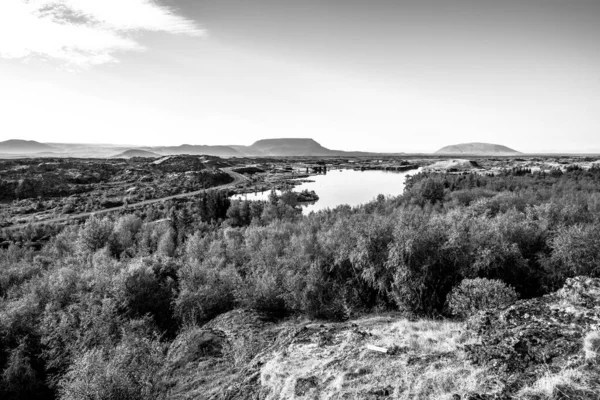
x=237, y=178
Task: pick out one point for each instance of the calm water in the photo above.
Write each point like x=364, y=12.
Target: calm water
x=345, y=187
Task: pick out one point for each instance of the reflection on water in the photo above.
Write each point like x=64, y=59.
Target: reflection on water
x=345, y=187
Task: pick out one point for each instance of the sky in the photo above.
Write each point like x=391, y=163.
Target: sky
x=371, y=75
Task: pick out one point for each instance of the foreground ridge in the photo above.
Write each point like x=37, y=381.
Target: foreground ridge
x=541, y=338
x=530, y=350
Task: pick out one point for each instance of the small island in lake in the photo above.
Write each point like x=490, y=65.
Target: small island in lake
x=307, y=196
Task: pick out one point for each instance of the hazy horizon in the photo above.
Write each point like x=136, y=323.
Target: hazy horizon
x=133, y=146
x=378, y=76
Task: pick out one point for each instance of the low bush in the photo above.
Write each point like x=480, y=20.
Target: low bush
x=125, y=372
x=473, y=295
x=264, y=290
x=320, y=297
x=19, y=379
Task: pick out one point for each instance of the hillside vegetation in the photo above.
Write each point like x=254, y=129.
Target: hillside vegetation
x=236, y=299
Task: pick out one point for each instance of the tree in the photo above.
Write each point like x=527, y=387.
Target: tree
x=167, y=243
x=217, y=203
x=575, y=251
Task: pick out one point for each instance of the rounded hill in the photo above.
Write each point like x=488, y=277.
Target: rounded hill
x=477, y=149
x=136, y=153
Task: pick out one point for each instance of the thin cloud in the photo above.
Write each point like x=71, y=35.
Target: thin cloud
x=83, y=32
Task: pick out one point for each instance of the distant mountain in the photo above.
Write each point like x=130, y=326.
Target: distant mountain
x=17, y=146
x=290, y=147
x=303, y=147
x=220, y=151
x=248, y=151
x=477, y=149
x=136, y=153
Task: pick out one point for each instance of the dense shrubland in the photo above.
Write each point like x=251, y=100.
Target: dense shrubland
x=87, y=311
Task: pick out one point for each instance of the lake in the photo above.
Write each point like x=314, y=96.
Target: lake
x=345, y=187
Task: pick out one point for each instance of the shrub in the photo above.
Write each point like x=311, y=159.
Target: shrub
x=17, y=274
x=65, y=243
x=205, y=293
x=124, y=236
x=576, y=251
x=68, y=332
x=314, y=291
x=473, y=295
x=427, y=190
x=19, y=379
x=95, y=234
x=264, y=290
x=426, y=263
x=322, y=298
x=143, y=289
x=126, y=372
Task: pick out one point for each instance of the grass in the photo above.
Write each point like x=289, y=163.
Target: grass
x=427, y=362
x=569, y=383
x=441, y=381
x=591, y=346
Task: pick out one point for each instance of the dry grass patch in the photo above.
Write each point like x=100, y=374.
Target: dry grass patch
x=441, y=380
x=427, y=336
x=573, y=384
x=591, y=346
x=426, y=362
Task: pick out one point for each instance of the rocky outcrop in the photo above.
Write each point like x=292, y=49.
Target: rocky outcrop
x=537, y=337
x=219, y=360
x=243, y=355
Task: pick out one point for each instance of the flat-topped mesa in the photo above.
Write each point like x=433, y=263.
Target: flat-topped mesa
x=477, y=149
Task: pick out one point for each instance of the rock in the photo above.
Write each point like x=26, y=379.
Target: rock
x=532, y=337
x=219, y=360
x=382, y=392
x=196, y=344
x=305, y=385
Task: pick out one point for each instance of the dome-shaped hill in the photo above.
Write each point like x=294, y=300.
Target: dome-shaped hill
x=477, y=149
x=136, y=153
